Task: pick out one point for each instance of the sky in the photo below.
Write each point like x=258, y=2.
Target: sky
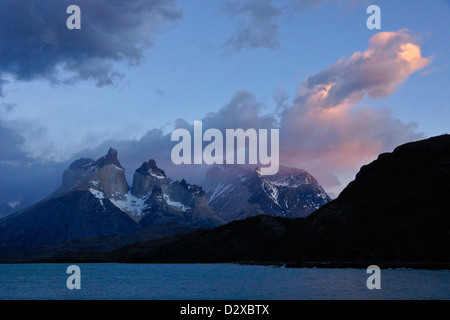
x=339, y=93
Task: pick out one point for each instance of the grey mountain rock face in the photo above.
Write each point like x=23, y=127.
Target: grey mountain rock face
x=105, y=176
x=237, y=193
x=146, y=177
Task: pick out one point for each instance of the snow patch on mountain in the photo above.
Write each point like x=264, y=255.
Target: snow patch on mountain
x=175, y=204
x=98, y=194
x=220, y=189
x=271, y=191
x=121, y=169
x=131, y=204
x=157, y=176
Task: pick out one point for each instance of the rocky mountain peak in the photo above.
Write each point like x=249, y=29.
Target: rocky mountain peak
x=239, y=192
x=149, y=168
x=147, y=177
x=108, y=159
x=105, y=176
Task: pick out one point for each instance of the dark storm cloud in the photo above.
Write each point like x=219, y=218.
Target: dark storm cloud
x=30, y=182
x=10, y=145
x=23, y=178
x=36, y=43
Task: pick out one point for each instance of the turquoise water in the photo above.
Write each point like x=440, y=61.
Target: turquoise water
x=216, y=282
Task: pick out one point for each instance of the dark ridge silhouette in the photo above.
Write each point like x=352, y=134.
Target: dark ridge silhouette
x=395, y=211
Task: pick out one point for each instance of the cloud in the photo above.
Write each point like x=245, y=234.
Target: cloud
x=258, y=24
x=258, y=21
x=36, y=43
x=8, y=107
x=10, y=144
x=242, y=111
x=23, y=178
x=327, y=130
x=2, y=83
x=376, y=72
x=307, y=4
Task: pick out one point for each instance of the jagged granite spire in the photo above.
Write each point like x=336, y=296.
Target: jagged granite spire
x=109, y=158
x=147, y=177
x=105, y=176
x=150, y=167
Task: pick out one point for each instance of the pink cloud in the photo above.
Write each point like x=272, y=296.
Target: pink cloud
x=328, y=132
x=390, y=59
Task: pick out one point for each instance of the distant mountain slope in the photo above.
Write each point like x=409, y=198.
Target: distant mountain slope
x=237, y=193
x=75, y=215
x=397, y=209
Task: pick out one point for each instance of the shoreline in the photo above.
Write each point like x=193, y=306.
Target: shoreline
x=277, y=264
x=353, y=265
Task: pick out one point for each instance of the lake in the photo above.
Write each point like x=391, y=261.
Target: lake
x=216, y=282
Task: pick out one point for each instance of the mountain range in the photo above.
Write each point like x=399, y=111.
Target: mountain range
x=238, y=193
x=395, y=213
x=95, y=201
